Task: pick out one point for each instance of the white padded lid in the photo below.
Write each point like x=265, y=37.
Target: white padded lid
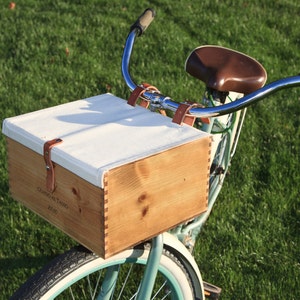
x=98, y=133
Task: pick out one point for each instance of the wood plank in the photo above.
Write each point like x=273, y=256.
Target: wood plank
x=152, y=195
x=75, y=207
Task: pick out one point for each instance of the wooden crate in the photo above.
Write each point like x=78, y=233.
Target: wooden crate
x=137, y=197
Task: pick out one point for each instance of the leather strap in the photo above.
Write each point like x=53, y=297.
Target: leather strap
x=138, y=92
x=205, y=120
x=135, y=95
x=50, y=175
x=181, y=115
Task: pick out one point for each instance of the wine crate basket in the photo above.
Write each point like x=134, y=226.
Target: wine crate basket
x=108, y=174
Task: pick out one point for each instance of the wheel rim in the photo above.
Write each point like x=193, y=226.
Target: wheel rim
x=88, y=281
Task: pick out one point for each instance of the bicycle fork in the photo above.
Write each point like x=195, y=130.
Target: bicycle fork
x=146, y=286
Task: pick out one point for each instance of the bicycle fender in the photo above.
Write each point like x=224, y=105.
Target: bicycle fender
x=180, y=251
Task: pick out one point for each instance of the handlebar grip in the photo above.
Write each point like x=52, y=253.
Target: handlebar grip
x=143, y=21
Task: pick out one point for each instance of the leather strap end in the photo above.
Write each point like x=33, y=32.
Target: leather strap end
x=50, y=174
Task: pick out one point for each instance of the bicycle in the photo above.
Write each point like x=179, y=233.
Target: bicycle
x=168, y=261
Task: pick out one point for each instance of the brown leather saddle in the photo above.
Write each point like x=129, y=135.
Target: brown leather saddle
x=226, y=70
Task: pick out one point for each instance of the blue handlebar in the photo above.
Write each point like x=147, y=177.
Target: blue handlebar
x=160, y=101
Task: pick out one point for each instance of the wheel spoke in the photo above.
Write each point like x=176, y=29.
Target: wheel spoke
x=159, y=290
x=125, y=282
x=71, y=293
x=96, y=287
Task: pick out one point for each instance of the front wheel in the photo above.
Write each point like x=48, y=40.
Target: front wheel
x=80, y=274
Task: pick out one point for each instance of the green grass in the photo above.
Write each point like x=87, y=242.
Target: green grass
x=250, y=245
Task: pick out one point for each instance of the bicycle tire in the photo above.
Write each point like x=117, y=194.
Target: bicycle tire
x=74, y=270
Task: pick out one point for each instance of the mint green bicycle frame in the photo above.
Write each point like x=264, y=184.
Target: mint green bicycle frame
x=235, y=108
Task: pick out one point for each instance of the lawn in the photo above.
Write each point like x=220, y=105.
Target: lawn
x=57, y=51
